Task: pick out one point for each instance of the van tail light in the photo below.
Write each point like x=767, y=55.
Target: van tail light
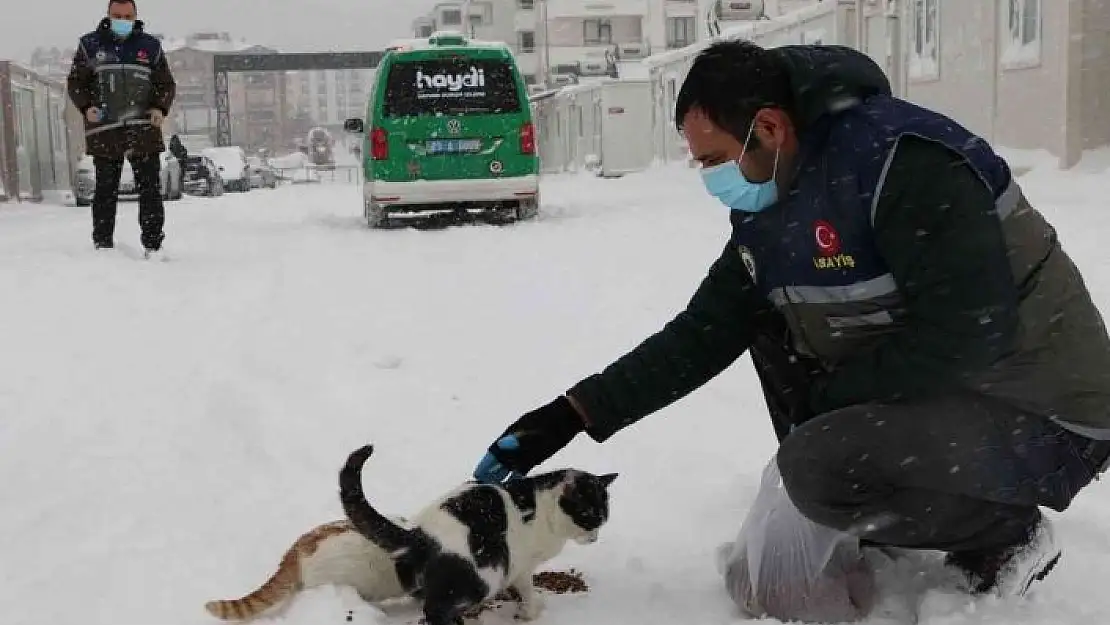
x=528, y=138
x=379, y=144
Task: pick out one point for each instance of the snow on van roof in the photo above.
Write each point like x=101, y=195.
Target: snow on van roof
x=426, y=42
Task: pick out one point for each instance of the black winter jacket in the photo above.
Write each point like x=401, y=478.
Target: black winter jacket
x=976, y=293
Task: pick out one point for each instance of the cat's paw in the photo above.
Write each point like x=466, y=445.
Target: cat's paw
x=530, y=610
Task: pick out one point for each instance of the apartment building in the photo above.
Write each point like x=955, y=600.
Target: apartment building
x=1030, y=74
x=1024, y=74
x=559, y=41
x=257, y=99
x=328, y=97
x=509, y=21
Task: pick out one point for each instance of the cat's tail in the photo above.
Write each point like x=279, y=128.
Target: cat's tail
x=367, y=521
x=281, y=585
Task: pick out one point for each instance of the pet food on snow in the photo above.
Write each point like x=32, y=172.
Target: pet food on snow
x=560, y=582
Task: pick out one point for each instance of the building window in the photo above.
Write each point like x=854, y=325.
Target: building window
x=1022, y=41
x=597, y=32
x=526, y=5
x=680, y=32
x=925, y=42
x=451, y=17
x=481, y=13
x=424, y=31
x=526, y=41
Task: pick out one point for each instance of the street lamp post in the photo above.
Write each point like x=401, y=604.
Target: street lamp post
x=546, y=45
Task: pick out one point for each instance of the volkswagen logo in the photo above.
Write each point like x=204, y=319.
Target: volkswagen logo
x=453, y=126
x=496, y=167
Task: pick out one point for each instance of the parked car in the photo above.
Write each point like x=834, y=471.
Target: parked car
x=262, y=173
x=231, y=163
x=202, y=177
x=170, y=183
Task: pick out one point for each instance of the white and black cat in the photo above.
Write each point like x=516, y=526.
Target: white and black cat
x=481, y=539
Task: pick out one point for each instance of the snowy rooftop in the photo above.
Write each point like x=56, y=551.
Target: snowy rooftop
x=208, y=42
x=417, y=43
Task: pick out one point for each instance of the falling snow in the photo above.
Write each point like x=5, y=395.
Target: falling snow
x=214, y=396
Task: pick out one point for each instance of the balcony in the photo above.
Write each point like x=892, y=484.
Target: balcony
x=448, y=16
x=739, y=10
x=682, y=8
x=591, y=41
x=262, y=116
x=423, y=28
x=193, y=97
x=595, y=8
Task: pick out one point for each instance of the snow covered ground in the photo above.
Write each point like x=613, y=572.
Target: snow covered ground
x=169, y=428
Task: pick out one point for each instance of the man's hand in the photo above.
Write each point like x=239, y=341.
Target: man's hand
x=529, y=441
x=156, y=118
x=93, y=114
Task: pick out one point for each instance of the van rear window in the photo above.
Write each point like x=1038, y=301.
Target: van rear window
x=450, y=86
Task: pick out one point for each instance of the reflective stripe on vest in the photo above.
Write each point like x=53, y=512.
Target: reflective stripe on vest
x=142, y=69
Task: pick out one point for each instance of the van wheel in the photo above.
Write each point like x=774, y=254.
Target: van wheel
x=527, y=209
x=375, y=214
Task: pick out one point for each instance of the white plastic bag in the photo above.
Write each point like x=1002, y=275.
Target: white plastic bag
x=784, y=566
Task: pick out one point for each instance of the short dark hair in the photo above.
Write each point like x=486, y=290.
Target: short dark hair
x=732, y=80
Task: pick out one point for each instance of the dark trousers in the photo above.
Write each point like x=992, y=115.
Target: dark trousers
x=962, y=473
x=152, y=214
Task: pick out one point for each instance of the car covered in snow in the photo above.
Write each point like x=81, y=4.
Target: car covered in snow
x=170, y=182
x=231, y=163
x=263, y=173
x=202, y=177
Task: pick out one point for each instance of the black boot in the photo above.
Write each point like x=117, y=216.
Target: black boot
x=1010, y=571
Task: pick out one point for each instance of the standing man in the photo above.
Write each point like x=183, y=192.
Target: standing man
x=121, y=83
x=933, y=363
x=177, y=148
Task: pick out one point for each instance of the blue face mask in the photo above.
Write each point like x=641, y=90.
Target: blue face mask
x=727, y=183
x=122, y=28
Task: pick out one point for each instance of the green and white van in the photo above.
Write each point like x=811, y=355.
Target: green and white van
x=448, y=128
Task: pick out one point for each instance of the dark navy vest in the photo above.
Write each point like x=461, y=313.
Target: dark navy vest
x=813, y=254
x=122, y=69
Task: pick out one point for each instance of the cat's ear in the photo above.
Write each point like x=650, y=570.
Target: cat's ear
x=608, y=479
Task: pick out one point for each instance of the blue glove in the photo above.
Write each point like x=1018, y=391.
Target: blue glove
x=490, y=470
x=529, y=441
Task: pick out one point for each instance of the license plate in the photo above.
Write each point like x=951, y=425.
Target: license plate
x=454, y=146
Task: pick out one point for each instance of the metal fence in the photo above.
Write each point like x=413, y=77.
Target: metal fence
x=308, y=173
